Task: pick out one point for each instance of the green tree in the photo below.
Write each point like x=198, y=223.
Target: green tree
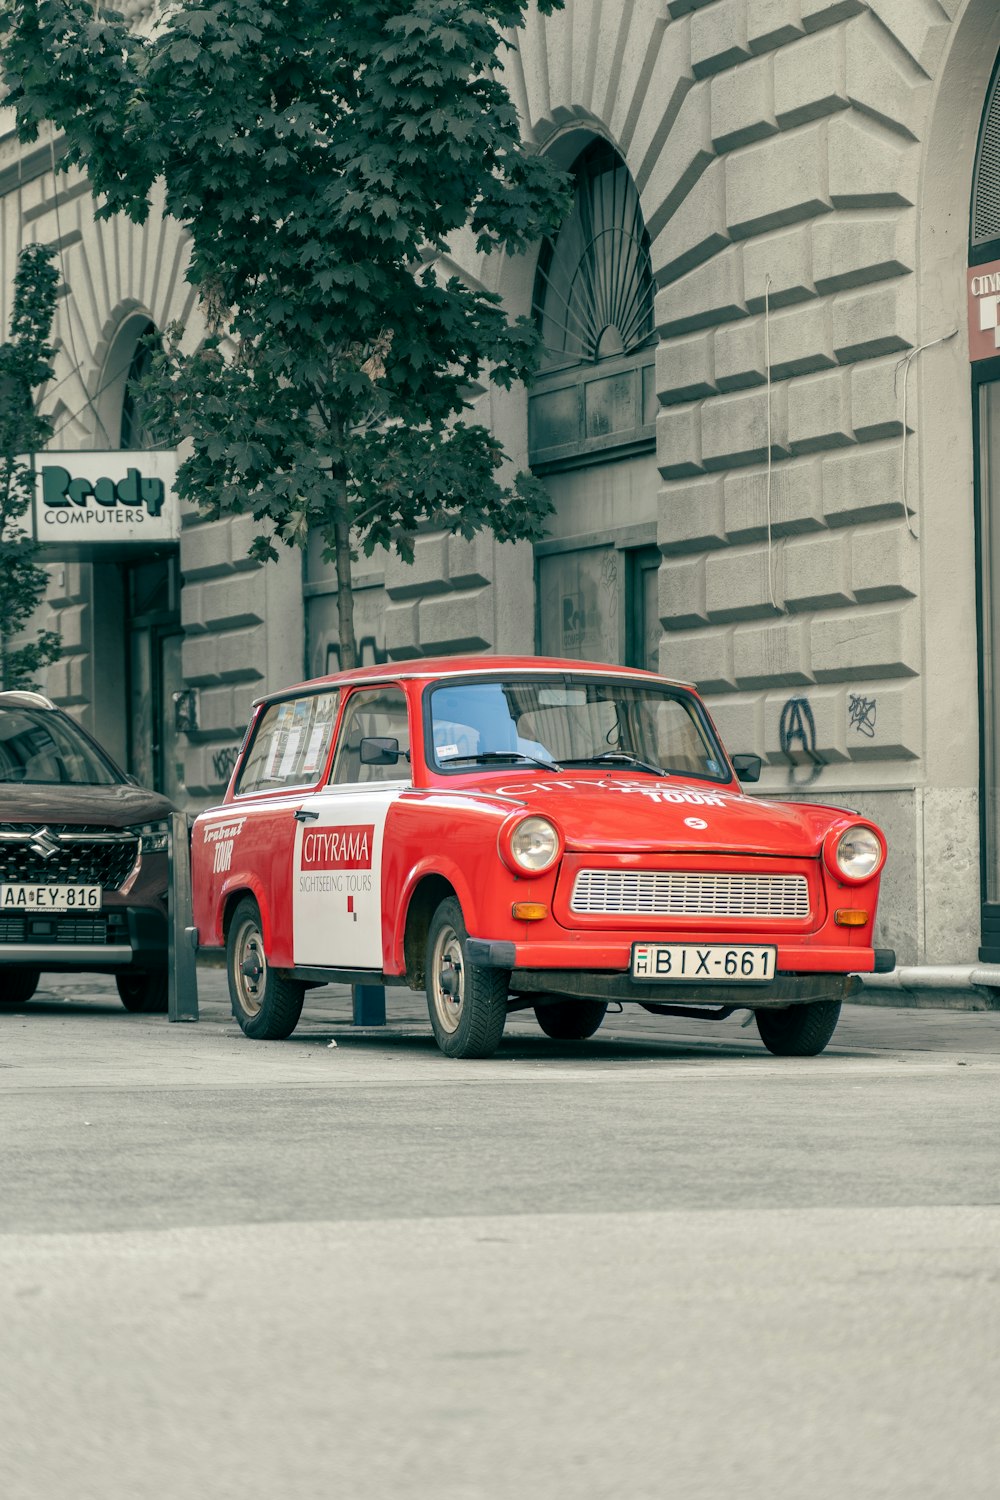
x=25, y=364
x=321, y=153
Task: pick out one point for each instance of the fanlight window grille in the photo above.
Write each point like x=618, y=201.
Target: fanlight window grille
x=986, y=191
x=135, y=402
x=594, y=284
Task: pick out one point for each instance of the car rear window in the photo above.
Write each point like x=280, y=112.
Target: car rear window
x=290, y=744
x=40, y=747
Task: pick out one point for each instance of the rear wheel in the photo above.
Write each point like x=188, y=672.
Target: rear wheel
x=467, y=1004
x=266, y=1005
x=18, y=985
x=144, y=993
x=798, y=1030
x=570, y=1020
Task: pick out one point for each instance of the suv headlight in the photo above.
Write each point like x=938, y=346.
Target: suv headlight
x=856, y=854
x=531, y=845
x=154, y=838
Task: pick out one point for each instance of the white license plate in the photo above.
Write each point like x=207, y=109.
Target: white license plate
x=49, y=897
x=707, y=963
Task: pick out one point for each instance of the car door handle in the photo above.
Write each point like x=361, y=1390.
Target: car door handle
x=305, y=815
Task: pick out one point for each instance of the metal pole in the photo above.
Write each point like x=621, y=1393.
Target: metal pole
x=369, y=1004
x=182, y=936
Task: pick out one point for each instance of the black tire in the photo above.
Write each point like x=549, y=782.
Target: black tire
x=266, y=1005
x=570, y=1020
x=144, y=994
x=18, y=985
x=467, y=1004
x=798, y=1030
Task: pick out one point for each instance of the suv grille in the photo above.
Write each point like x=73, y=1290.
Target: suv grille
x=75, y=856
x=674, y=893
x=65, y=931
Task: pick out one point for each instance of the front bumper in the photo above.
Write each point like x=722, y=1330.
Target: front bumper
x=115, y=938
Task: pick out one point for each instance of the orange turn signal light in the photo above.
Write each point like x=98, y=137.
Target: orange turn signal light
x=529, y=911
x=850, y=918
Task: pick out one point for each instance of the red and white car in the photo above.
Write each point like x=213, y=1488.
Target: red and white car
x=521, y=832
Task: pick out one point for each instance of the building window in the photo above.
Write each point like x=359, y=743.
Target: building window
x=135, y=403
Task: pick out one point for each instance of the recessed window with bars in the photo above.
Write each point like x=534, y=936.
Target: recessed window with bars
x=986, y=182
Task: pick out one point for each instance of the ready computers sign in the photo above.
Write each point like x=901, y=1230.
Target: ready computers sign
x=93, y=498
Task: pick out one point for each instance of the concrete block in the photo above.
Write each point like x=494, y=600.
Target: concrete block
x=785, y=257
x=796, y=501
x=862, y=485
x=885, y=563
x=228, y=602
x=884, y=721
x=775, y=654
x=216, y=719
x=427, y=574
x=739, y=721
x=643, y=40
x=874, y=322
x=779, y=181
x=739, y=355
x=64, y=681
x=875, y=81
x=65, y=584
x=703, y=298
x=810, y=79
x=801, y=341
x=456, y=622
x=877, y=401
x=737, y=585
x=691, y=516
x=719, y=37
x=678, y=441
x=74, y=625
x=611, y=39
x=920, y=30
x=817, y=13
x=804, y=730
x=205, y=550
x=772, y=23
x=696, y=231
x=817, y=572
x=850, y=251
x=681, y=585
x=686, y=154
x=239, y=652
x=704, y=657
x=742, y=107
x=401, y=630
x=734, y=429
x=242, y=532
x=869, y=166
x=199, y=659
x=192, y=616
x=865, y=643
x=469, y=560
x=684, y=369
x=819, y=414
x=660, y=101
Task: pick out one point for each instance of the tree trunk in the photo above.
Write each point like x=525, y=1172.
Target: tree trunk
x=345, y=595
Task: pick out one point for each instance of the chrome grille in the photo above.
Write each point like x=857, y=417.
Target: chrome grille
x=684, y=893
x=65, y=855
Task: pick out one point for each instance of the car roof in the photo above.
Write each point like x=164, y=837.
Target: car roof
x=431, y=667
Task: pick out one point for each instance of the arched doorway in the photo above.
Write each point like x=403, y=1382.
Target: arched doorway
x=591, y=416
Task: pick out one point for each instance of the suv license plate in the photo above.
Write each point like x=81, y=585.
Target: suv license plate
x=49, y=897
x=711, y=963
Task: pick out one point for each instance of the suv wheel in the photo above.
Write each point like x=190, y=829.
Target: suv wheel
x=144, y=993
x=18, y=985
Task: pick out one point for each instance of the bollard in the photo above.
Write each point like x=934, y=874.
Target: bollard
x=369, y=1004
x=182, y=971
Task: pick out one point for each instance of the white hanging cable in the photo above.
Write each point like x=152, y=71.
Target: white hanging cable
x=904, y=365
x=767, y=374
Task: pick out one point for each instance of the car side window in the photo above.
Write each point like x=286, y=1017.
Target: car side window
x=372, y=713
x=290, y=744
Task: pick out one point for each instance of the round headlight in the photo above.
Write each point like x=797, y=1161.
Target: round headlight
x=534, y=845
x=859, y=853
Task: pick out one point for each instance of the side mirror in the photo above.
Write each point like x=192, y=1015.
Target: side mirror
x=747, y=767
x=379, y=750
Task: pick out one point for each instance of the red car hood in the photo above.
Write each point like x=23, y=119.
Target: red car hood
x=646, y=813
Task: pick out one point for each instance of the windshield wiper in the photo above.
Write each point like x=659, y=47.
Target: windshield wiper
x=620, y=757
x=503, y=755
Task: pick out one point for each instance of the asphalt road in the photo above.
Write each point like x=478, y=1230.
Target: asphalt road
x=660, y=1263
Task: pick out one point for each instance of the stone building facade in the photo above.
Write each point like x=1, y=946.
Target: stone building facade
x=755, y=417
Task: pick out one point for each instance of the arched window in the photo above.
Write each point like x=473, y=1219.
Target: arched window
x=984, y=236
x=134, y=433
x=593, y=306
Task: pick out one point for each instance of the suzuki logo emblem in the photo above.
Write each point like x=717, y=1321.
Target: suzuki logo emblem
x=45, y=844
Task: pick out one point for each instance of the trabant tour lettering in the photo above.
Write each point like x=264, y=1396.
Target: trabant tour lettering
x=346, y=848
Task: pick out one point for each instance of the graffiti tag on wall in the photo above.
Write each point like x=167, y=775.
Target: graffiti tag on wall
x=797, y=737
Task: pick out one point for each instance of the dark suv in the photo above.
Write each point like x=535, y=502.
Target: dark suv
x=83, y=860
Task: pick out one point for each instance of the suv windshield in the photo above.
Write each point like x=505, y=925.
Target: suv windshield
x=621, y=723
x=40, y=746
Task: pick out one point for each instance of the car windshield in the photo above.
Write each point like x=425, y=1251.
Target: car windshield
x=615, y=723
x=41, y=747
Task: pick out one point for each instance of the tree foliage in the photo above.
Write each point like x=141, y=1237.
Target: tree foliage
x=25, y=364
x=322, y=154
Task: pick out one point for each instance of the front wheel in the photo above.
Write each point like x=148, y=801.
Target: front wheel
x=18, y=985
x=143, y=993
x=467, y=1004
x=266, y=1005
x=570, y=1020
x=798, y=1030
